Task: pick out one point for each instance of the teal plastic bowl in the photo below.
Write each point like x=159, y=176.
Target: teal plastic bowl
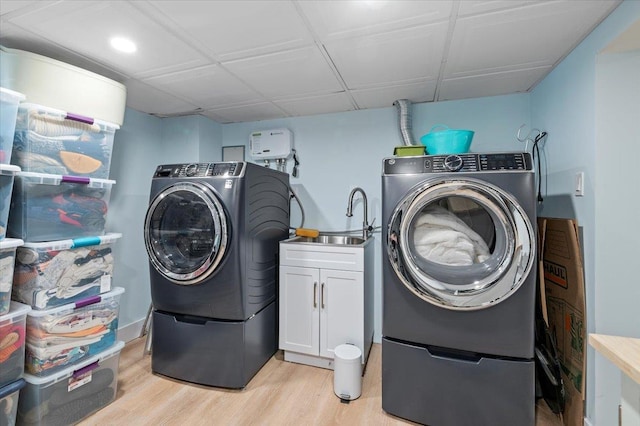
x=447, y=141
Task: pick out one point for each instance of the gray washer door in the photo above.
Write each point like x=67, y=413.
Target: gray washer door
x=185, y=232
x=461, y=244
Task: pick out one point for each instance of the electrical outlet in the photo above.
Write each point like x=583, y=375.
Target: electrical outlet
x=579, y=184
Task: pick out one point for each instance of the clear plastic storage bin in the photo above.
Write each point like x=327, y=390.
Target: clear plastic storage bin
x=72, y=394
x=9, y=397
x=53, y=207
x=12, y=342
x=9, y=102
x=62, y=336
x=50, y=274
x=8, y=248
x=7, y=176
x=55, y=142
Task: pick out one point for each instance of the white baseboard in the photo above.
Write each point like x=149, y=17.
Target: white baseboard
x=131, y=331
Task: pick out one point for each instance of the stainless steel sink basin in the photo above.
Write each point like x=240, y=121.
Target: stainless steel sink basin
x=330, y=240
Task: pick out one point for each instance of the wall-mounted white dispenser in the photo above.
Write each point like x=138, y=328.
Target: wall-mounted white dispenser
x=271, y=144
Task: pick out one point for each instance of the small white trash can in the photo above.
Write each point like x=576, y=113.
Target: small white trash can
x=347, y=372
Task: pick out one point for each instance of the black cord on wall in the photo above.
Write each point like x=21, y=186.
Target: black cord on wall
x=536, y=157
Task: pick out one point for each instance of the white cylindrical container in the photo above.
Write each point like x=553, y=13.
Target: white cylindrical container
x=347, y=372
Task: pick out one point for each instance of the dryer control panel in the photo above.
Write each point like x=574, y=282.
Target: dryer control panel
x=225, y=169
x=459, y=163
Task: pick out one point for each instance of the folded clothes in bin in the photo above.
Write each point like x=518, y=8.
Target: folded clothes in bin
x=55, y=273
x=12, y=342
x=56, y=142
x=64, y=335
x=54, y=207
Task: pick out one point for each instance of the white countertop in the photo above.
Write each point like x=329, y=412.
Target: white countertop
x=624, y=352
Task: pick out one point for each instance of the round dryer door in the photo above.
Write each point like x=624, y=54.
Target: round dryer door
x=186, y=232
x=461, y=244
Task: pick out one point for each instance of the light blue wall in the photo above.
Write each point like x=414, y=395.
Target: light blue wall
x=142, y=143
x=137, y=148
x=616, y=291
x=210, y=140
x=564, y=105
x=338, y=152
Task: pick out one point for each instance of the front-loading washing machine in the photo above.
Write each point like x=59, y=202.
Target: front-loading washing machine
x=459, y=289
x=212, y=232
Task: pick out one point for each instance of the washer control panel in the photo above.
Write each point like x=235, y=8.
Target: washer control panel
x=458, y=163
x=195, y=170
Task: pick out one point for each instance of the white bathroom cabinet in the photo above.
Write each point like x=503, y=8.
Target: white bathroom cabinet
x=325, y=300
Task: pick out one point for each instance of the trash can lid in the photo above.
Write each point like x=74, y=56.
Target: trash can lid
x=347, y=352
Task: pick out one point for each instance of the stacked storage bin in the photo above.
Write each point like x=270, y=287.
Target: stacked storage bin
x=12, y=350
x=62, y=191
x=63, y=271
x=12, y=314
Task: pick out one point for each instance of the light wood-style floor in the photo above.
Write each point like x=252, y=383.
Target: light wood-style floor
x=282, y=393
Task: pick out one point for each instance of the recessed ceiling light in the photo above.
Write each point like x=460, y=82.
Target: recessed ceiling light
x=373, y=4
x=124, y=45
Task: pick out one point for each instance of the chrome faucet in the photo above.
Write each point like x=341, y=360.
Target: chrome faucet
x=365, y=224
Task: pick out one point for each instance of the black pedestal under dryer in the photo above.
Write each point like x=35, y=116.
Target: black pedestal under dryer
x=459, y=283
x=212, y=232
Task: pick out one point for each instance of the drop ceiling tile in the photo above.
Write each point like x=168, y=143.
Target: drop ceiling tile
x=335, y=102
x=142, y=97
x=384, y=97
x=9, y=6
x=215, y=117
x=491, y=84
x=397, y=56
x=525, y=37
x=236, y=29
x=86, y=27
x=208, y=87
x=243, y=113
x=291, y=73
x=467, y=8
x=340, y=19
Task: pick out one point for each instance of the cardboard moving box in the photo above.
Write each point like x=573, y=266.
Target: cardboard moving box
x=563, y=285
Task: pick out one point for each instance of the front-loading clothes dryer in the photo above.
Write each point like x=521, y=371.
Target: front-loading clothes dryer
x=459, y=248
x=212, y=232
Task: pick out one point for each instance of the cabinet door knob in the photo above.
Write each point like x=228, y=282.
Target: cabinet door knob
x=322, y=296
x=315, y=294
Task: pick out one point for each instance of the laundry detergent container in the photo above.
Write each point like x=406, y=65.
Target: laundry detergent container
x=50, y=274
x=12, y=342
x=56, y=142
x=9, y=397
x=9, y=101
x=7, y=176
x=62, y=336
x=48, y=207
x=8, y=248
x=72, y=394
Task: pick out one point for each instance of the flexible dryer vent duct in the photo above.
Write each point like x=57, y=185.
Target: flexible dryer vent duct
x=404, y=118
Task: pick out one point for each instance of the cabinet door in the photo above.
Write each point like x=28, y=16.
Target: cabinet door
x=299, y=310
x=341, y=310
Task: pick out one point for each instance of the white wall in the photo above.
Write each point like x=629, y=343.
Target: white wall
x=563, y=104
